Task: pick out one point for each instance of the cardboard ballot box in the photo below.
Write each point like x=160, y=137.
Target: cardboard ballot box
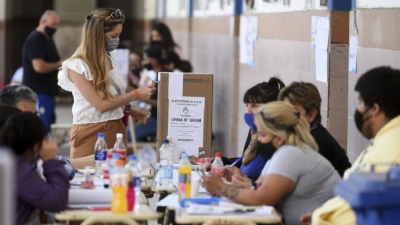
x=185, y=102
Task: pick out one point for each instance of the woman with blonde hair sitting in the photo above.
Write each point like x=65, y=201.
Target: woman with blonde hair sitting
x=297, y=179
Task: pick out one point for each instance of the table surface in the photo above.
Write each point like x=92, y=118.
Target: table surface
x=144, y=213
x=182, y=217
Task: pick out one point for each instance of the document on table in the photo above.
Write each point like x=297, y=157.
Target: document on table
x=197, y=209
x=86, y=197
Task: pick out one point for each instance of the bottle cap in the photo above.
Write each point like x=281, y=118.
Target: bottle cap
x=115, y=155
x=165, y=141
x=184, y=155
x=100, y=135
x=109, y=155
x=132, y=157
x=119, y=135
x=218, y=154
x=200, y=160
x=120, y=162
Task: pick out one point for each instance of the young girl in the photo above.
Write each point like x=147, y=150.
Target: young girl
x=25, y=134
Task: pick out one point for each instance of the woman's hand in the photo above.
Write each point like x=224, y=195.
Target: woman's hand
x=212, y=183
x=139, y=115
x=48, y=150
x=244, y=182
x=145, y=93
x=234, y=171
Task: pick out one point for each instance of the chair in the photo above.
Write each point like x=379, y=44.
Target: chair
x=7, y=188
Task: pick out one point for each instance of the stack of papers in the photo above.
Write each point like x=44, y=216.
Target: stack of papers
x=197, y=209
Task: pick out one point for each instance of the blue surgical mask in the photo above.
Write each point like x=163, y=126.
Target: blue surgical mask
x=112, y=44
x=249, y=119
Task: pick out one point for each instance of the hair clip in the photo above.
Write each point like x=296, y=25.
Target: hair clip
x=89, y=17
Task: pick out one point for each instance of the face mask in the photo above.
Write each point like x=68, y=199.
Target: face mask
x=359, y=120
x=112, y=44
x=156, y=43
x=249, y=119
x=49, y=31
x=148, y=66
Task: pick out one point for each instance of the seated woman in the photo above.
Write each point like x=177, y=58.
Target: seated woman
x=255, y=154
x=297, y=179
x=25, y=134
x=306, y=99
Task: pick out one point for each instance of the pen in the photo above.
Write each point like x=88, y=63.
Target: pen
x=237, y=161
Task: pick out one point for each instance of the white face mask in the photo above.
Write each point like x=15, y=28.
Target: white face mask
x=112, y=44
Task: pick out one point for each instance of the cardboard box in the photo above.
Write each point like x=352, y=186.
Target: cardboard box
x=185, y=103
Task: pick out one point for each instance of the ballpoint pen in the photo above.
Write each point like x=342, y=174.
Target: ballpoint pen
x=237, y=161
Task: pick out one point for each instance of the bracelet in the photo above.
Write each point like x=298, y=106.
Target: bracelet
x=136, y=94
x=127, y=107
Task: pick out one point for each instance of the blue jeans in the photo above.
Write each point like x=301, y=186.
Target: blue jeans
x=144, y=130
x=47, y=105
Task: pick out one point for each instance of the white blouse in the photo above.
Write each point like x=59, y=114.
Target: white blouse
x=82, y=111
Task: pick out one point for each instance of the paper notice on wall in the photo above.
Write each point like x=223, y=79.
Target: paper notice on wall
x=186, y=123
x=321, y=65
x=322, y=33
x=248, y=35
x=232, y=27
x=313, y=30
x=121, y=60
x=353, y=54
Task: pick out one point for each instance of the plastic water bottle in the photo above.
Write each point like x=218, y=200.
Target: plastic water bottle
x=174, y=150
x=165, y=164
x=134, y=168
x=119, y=147
x=119, y=182
x=185, y=172
x=100, y=154
x=106, y=170
x=218, y=166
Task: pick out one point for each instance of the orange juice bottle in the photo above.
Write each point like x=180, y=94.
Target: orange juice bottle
x=185, y=172
x=119, y=182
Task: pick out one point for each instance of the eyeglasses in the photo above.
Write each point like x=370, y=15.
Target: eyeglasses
x=117, y=15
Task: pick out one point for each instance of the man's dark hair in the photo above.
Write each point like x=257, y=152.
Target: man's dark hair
x=13, y=94
x=381, y=85
x=17, y=132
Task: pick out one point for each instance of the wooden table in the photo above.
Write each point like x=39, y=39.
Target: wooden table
x=89, y=217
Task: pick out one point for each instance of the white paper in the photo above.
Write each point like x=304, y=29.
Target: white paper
x=121, y=59
x=175, y=85
x=250, y=53
x=231, y=26
x=252, y=28
x=353, y=54
x=89, y=196
x=248, y=35
x=186, y=123
x=243, y=40
x=321, y=65
x=322, y=33
x=313, y=30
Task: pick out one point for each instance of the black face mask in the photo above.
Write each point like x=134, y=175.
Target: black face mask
x=359, y=120
x=148, y=66
x=49, y=31
x=156, y=43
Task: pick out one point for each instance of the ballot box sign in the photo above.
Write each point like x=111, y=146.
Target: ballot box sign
x=186, y=123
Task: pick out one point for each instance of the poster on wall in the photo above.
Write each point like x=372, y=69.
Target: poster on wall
x=186, y=123
x=353, y=54
x=248, y=35
x=321, y=48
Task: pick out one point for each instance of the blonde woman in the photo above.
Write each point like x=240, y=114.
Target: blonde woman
x=297, y=179
x=99, y=95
